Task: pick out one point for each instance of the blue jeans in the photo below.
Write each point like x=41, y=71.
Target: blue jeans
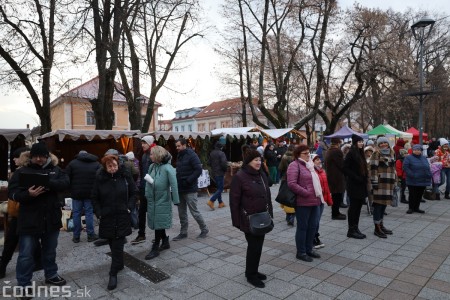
x=378, y=213
x=77, y=207
x=25, y=261
x=445, y=173
x=218, y=194
x=321, y=208
x=189, y=200
x=307, y=222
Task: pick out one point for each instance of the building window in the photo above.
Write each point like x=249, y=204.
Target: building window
x=212, y=126
x=190, y=127
x=176, y=128
x=182, y=127
x=201, y=126
x=90, y=118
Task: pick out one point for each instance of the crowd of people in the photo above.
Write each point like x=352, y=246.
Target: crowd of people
x=124, y=193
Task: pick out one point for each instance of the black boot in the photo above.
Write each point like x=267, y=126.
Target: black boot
x=438, y=196
x=447, y=195
x=164, y=244
x=362, y=234
x=154, y=252
x=112, y=284
x=378, y=232
x=384, y=229
x=353, y=233
x=2, y=269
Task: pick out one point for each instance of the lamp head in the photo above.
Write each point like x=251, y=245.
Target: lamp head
x=420, y=25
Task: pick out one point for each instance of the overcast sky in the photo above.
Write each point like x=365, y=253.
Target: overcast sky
x=199, y=83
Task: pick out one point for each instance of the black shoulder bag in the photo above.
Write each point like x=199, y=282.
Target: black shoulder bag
x=285, y=195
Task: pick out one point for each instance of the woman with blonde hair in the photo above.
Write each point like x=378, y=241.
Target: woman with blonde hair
x=161, y=190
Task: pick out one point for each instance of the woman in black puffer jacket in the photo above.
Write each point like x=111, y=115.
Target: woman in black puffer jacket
x=249, y=194
x=113, y=195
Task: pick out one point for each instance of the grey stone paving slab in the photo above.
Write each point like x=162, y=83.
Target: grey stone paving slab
x=376, y=279
x=207, y=280
x=442, y=276
x=256, y=294
x=229, y=270
x=353, y=273
x=305, y=281
x=206, y=296
x=427, y=293
x=230, y=288
x=308, y=295
x=329, y=267
x=193, y=257
x=353, y=295
x=279, y=288
x=284, y=275
x=329, y=289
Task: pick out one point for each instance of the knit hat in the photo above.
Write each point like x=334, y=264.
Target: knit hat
x=369, y=148
x=130, y=155
x=417, y=147
x=315, y=156
x=403, y=152
x=112, y=152
x=335, y=141
x=82, y=152
x=369, y=143
x=39, y=149
x=250, y=155
x=356, y=138
x=17, y=152
x=434, y=159
x=442, y=141
x=382, y=139
x=148, y=139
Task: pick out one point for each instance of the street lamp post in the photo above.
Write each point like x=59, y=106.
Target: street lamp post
x=418, y=30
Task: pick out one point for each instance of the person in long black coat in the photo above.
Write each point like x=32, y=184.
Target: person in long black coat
x=249, y=194
x=113, y=194
x=356, y=172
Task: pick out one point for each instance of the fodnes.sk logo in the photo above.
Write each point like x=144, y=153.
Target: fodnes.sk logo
x=11, y=291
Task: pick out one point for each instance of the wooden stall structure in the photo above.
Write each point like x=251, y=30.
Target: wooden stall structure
x=66, y=143
x=10, y=140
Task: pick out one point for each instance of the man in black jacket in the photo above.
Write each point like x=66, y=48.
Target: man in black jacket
x=219, y=164
x=81, y=172
x=189, y=169
x=39, y=215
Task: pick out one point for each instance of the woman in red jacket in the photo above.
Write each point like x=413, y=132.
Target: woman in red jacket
x=401, y=174
x=326, y=196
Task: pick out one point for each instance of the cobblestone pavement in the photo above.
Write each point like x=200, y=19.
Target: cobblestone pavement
x=413, y=263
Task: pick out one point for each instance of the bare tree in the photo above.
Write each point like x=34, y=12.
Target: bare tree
x=27, y=47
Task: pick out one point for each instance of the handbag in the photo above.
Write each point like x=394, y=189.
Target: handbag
x=285, y=195
x=260, y=223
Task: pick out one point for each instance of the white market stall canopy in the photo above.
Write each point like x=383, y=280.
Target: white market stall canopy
x=89, y=134
x=237, y=131
x=11, y=134
x=177, y=134
x=279, y=132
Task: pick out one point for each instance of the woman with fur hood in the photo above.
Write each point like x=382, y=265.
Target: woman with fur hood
x=383, y=178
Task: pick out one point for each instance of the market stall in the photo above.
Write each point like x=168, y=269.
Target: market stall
x=66, y=143
x=286, y=133
x=415, y=133
x=390, y=132
x=10, y=140
x=344, y=133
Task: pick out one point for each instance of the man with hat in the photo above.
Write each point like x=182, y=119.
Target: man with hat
x=334, y=161
x=147, y=143
x=39, y=217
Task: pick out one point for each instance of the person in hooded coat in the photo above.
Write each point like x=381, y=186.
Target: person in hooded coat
x=383, y=179
x=418, y=177
x=219, y=164
x=161, y=191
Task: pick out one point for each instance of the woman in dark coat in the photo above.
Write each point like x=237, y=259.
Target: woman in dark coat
x=270, y=156
x=356, y=171
x=113, y=195
x=249, y=194
x=418, y=176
